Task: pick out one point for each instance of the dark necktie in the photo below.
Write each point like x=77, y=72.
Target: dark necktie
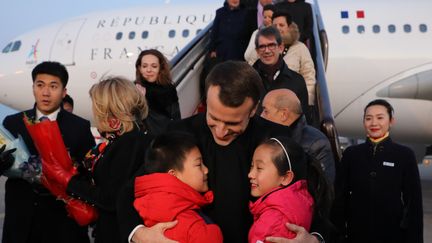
x=43, y=118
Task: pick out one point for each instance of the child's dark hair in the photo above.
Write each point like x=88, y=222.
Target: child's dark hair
x=306, y=168
x=168, y=151
x=68, y=99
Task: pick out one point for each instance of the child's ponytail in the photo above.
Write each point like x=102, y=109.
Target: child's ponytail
x=321, y=191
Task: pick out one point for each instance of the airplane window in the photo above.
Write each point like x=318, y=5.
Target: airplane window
x=7, y=48
x=119, y=35
x=345, y=29
x=198, y=31
x=131, y=35
x=376, y=29
x=185, y=33
x=144, y=34
x=16, y=46
x=171, y=33
x=360, y=29
x=423, y=28
x=392, y=28
x=407, y=28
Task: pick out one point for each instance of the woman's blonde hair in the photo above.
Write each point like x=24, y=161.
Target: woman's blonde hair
x=117, y=98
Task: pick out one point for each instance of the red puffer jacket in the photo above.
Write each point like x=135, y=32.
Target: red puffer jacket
x=161, y=197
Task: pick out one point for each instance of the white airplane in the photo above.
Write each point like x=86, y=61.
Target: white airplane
x=99, y=44
x=377, y=49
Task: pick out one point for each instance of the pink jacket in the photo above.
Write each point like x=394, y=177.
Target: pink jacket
x=292, y=204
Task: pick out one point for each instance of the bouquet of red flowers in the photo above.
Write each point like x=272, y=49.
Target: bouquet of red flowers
x=52, y=150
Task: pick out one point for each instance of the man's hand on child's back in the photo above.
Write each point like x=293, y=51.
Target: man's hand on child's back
x=302, y=236
x=154, y=234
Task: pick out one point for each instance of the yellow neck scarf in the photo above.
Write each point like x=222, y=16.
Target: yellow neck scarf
x=377, y=140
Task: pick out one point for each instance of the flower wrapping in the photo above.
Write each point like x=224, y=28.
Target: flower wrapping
x=48, y=141
x=21, y=155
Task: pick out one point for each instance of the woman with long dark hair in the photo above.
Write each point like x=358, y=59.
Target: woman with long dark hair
x=153, y=78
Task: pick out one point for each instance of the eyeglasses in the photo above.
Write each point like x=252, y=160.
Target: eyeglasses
x=270, y=46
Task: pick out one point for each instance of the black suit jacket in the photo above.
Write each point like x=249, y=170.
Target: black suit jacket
x=32, y=214
x=286, y=79
x=121, y=159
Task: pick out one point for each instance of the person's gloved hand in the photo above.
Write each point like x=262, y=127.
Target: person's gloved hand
x=6, y=158
x=57, y=173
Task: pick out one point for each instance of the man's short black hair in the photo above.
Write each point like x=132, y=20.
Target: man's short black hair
x=283, y=13
x=270, y=7
x=269, y=31
x=52, y=68
x=237, y=81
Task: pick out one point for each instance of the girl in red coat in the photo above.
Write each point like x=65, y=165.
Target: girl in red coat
x=279, y=179
x=174, y=187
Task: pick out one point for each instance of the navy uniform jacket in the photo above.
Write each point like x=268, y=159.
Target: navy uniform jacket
x=31, y=212
x=230, y=34
x=379, y=193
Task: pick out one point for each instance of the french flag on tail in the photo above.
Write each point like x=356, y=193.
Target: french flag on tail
x=359, y=14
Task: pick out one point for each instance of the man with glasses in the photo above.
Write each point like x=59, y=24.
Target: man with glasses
x=273, y=70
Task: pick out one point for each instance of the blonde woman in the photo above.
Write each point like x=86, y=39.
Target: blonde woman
x=118, y=108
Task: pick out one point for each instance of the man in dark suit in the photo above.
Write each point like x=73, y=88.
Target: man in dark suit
x=227, y=135
x=273, y=70
x=32, y=214
x=301, y=13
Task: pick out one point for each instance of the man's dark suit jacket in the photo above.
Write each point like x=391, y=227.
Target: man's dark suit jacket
x=285, y=78
x=32, y=214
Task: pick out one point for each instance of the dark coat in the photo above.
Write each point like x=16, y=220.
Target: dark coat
x=316, y=144
x=230, y=33
x=31, y=211
x=285, y=79
x=252, y=16
x=120, y=161
x=379, y=193
x=228, y=176
x=163, y=106
x=301, y=13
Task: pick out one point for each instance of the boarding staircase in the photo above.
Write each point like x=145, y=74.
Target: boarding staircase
x=188, y=64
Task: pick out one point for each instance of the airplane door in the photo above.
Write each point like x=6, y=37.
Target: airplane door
x=63, y=48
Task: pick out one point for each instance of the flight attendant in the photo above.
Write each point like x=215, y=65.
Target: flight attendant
x=379, y=196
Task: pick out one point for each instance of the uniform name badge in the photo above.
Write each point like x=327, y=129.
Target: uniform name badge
x=389, y=164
